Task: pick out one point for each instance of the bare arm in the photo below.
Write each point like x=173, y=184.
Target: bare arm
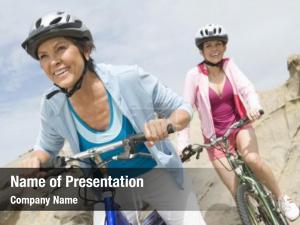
x=179, y=119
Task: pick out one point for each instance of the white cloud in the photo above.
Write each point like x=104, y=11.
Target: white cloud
x=19, y=127
x=12, y=73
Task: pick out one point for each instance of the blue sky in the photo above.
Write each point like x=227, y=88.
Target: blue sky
x=155, y=34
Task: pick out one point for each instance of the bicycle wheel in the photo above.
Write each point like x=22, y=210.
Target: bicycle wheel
x=252, y=210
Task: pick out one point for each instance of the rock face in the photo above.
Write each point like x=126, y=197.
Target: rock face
x=278, y=132
x=279, y=141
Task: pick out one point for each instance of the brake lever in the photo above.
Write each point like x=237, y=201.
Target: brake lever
x=198, y=153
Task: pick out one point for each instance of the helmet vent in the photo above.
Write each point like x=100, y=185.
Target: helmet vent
x=78, y=23
x=55, y=21
x=215, y=30
x=220, y=30
x=68, y=18
x=38, y=23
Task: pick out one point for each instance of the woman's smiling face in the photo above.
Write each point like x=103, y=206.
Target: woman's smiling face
x=62, y=61
x=213, y=51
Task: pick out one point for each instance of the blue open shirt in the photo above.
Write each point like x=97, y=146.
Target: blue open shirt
x=140, y=98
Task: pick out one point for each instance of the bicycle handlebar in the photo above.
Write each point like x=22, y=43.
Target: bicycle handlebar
x=191, y=150
x=235, y=125
x=138, y=138
x=129, y=142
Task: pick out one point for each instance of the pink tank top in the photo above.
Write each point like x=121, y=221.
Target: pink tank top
x=223, y=108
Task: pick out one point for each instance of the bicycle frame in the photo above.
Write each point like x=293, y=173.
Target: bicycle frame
x=113, y=217
x=245, y=175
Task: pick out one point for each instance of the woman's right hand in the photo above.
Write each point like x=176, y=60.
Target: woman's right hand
x=30, y=162
x=254, y=114
x=35, y=159
x=33, y=163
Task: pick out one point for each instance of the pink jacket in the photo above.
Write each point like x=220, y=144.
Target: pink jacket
x=196, y=93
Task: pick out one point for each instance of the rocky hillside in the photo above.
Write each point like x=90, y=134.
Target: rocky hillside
x=279, y=141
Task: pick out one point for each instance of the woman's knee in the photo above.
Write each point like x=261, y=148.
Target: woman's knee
x=253, y=160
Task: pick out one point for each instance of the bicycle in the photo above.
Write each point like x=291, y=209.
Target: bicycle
x=112, y=211
x=255, y=202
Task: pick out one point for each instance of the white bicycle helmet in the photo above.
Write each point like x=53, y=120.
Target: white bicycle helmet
x=52, y=25
x=210, y=32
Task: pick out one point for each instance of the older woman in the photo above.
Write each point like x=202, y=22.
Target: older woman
x=222, y=95
x=93, y=105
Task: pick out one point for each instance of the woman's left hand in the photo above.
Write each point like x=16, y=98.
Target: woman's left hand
x=254, y=114
x=156, y=130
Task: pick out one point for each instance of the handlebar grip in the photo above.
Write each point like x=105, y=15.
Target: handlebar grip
x=187, y=152
x=246, y=120
x=55, y=162
x=54, y=166
x=171, y=128
x=141, y=137
x=184, y=158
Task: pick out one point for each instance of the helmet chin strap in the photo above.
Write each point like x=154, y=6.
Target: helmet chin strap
x=75, y=88
x=218, y=64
